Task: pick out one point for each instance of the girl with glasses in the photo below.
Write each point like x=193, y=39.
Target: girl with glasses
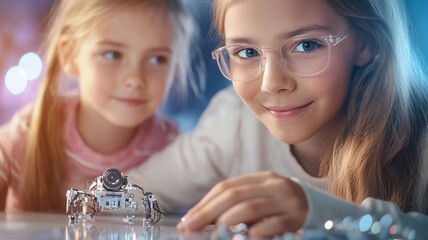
x=340, y=83
x=125, y=54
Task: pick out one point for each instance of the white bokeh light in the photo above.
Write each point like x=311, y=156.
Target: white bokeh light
x=32, y=65
x=328, y=225
x=16, y=80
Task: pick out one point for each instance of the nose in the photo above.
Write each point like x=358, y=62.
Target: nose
x=275, y=76
x=136, y=78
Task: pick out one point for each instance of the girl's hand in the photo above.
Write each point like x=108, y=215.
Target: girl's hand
x=269, y=204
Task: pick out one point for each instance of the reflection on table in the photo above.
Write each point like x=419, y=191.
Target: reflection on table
x=112, y=227
x=56, y=226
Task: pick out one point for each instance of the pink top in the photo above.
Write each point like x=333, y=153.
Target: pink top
x=84, y=163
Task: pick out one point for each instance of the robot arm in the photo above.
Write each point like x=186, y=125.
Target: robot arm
x=153, y=213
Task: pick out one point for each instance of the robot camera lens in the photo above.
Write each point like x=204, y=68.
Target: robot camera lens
x=112, y=179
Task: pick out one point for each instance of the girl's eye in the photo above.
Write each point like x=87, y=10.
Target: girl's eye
x=157, y=60
x=307, y=46
x=248, y=53
x=111, y=55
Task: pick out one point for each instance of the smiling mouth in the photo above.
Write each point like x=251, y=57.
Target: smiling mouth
x=288, y=112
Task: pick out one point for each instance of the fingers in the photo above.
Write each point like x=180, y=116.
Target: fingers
x=228, y=184
x=275, y=197
x=221, y=200
x=256, y=200
x=249, y=211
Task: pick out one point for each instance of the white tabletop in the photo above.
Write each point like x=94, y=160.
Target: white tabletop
x=56, y=226
x=110, y=226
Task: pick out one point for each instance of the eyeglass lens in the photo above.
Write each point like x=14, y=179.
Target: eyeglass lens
x=303, y=56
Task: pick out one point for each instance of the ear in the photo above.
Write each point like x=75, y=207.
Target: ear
x=67, y=58
x=363, y=52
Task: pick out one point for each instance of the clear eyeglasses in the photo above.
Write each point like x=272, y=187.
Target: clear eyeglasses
x=305, y=55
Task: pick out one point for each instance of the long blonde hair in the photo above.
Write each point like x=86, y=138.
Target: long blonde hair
x=377, y=154
x=45, y=167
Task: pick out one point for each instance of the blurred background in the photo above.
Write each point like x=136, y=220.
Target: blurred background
x=21, y=30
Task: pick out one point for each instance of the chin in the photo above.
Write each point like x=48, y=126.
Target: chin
x=128, y=123
x=286, y=135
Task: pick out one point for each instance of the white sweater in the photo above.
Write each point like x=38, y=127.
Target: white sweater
x=230, y=141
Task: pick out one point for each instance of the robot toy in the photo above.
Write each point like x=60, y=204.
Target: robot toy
x=111, y=191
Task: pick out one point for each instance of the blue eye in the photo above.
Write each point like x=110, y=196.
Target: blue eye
x=111, y=55
x=307, y=46
x=248, y=53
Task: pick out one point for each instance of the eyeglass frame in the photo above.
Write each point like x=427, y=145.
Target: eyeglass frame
x=331, y=40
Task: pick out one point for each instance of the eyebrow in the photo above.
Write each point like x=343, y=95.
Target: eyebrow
x=112, y=43
x=287, y=35
x=303, y=30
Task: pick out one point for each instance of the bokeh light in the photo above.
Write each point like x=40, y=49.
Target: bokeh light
x=29, y=68
x=376, y=228
x=32, y=64
x=386, y=220
x=365, y=223
x=393, y=230
x=328, y=225
x=412, y=235
x=16, y=80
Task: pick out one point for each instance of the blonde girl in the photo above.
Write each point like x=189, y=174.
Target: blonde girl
x=125, y=54
x=340, y=82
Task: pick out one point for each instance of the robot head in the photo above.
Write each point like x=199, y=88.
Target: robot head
x=113, y=179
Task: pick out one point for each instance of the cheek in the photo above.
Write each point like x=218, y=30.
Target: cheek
x=93, y=75
x=328, y=83
x=100, y=82
x=158, y=91
x=157, y=88
x=331, y=91
x=247, y=91
x=96, y=87
x=334, y=82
